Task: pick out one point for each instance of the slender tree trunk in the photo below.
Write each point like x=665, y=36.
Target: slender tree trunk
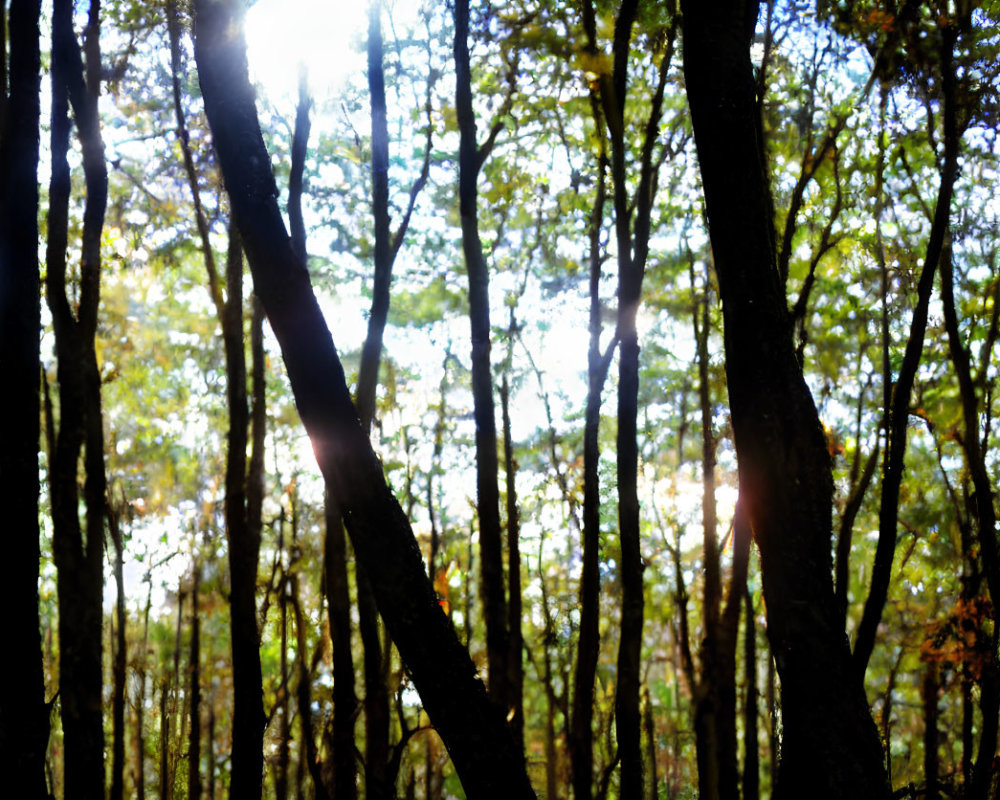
x=632, y=225
x=344, y=699
x=283, y=709
x=194, y=692
x=303, y=694
x=473, y=730
x=211, y=750
x=376, y=695
x=140, y=705
x=24, y=715
x=715, y=707
x=975, y=445
x=898, y=410
x=165, y=793
x=830, y=747
x=120, y=660
x=650, y=725
x=244, y=484
x=515, y=663
x=751, y=744
x=243, y=537
x=470, y=159
x=588, y=646
x=78, y=549
x=176, y=710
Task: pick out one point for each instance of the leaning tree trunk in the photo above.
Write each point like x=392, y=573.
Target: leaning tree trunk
x=24, y=716
x=830, y=747
x=473, y=729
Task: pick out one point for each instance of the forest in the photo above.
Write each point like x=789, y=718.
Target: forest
x=486, y=399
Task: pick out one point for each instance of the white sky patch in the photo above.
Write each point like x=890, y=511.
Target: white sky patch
x=325, y=37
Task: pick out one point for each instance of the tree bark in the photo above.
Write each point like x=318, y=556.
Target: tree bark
x=588, y=644
x=830, y=747
x=243, y=537
x=751, y=745
x=344, y=699
x=632, y=226
x=24, y=715
x=515, y=658
x=974, y=446
x=898, y=410
x=194, y=692
x=472, y=728
x=120, y=660
x=470, y=159
x=78, y=549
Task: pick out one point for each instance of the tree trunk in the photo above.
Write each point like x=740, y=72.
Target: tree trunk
x=140, y=702
x=194, y=693
x=830, y=747
x=243, y=538
x=24, y=715
x=344, y=700
x=470, y=159
x=515, y=662
x=120, y=660
x=751, y=745
x=588, y=646
x=474, y=731
x=282, y=704
x=78, y=550
x=165, y=740
x=303, y=696
x=898, y=411
x=632, y=221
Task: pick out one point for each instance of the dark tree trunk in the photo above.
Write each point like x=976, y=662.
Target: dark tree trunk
x=140, y=702
x=715, y=704
x=632, y=225
x=588, y=646
x=651, y=744
x=515, y=662
x=376, y=697
x=344, y=700
x=751, y=744
x=78, y=549
x=474, y=730
x=120, y=660
x=303, y=696
x=194, y=692
x=244, y=487
x=830, y=747
x=897, y=412
x=165, y=740
x=24, y=716
x=243, y=538
x=283, y=706
x=470, y=160
x=975, y=446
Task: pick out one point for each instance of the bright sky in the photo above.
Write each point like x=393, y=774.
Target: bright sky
x=324, y=35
